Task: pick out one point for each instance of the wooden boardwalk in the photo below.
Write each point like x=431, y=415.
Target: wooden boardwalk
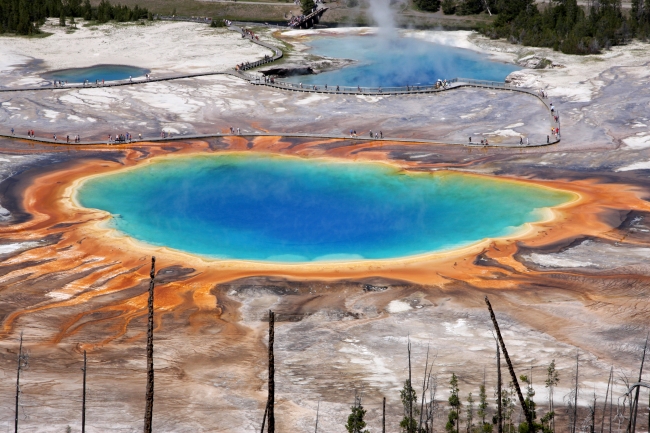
x=454, y=84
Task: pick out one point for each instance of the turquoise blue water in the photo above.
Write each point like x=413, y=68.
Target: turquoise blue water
x=97, y=73
x=392, y=62
x=294, y=210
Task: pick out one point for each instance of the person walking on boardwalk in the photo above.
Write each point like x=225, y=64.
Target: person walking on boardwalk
x=12, y=131
x=371, y=133
x=381, y=135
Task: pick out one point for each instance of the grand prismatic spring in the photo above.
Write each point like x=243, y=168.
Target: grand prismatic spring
x=373, y=220
x=293, y=210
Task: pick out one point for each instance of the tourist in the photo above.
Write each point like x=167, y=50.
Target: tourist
x=54, y=137
x=527, y=141
x=12, y=131
x=486, y=142
x=140, y=136
x=376, y=135
x=325, y=86
x=337, y=88
x=381, y=135
x=470, y=139
x=521, y=140
x=548, y=139
x=371, y=133
x=67, y=139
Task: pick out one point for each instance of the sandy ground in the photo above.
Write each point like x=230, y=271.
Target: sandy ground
x=578, y=284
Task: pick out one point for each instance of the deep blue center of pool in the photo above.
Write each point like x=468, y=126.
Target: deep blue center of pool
x=97, y=73
x=399, y=61
x=294, y=210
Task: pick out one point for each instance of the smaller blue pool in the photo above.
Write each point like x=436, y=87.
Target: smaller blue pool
x=399, y=61
x=97, y=73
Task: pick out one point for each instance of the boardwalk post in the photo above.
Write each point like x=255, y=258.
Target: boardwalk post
x=271, y=398
x=148, y=411
x=527, y=412
x=83, y=400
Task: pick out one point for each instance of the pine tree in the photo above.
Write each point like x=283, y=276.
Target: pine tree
x=409, y=400
x=486, y=427
x=87, y=10
x=428, y=5
x=453, y=419
x=307, y=6
x=62, y=18
x=470, y=413
x=552, y=379
x=355, y=423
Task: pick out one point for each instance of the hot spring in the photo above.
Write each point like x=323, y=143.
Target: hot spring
x=97, y=73
x=399, y=61
x=283, y=209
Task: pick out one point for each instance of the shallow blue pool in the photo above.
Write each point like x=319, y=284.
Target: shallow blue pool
x=97, y=73
x=399, y=61
x=294, y=210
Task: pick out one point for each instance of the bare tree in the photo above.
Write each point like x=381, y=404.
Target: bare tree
x=634, y=407
x=148, y=411
x=271, y=398
x=83, y=401
x=22, y=363
x=527, y=412
x=609, y=383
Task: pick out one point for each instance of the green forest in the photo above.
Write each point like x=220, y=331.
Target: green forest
x=24, y=17
x=561, y=24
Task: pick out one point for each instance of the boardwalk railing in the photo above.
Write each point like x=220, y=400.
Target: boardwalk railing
x=325, y=88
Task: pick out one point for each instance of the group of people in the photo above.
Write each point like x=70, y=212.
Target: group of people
x=294, y=21
x=228, y=23
x=59, y=83
x=483, y=142
x=165, y=134
x=245, y=33
x=377, y=135
x=542, y=93
x=235, y=131
x=76, y=138
x=120, y=138
x=441, y=84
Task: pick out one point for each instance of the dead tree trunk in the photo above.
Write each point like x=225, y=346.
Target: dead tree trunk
x=499, y=399
x=266, y=411
x=83, y=399
x=383, y=417
x=529, y=415
x=20, y=363
x=638, y=389
x=575, y=403
x=410, y=390
x=148, y=411
x=271, y=400
x=609, y=380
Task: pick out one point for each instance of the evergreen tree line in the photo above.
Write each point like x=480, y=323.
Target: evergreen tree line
x=561, y=24
x=24, y=17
